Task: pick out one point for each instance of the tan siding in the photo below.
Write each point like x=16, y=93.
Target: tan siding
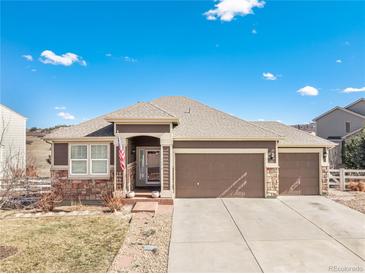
x=142, y=128
x=270, y=145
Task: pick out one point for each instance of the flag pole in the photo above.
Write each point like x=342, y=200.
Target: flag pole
x=115, y=165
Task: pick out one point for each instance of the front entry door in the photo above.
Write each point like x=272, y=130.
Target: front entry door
x=148, y=166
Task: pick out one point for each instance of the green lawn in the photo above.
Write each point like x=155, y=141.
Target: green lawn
x=62, y=244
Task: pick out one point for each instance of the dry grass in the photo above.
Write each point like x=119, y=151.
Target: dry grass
x=352, y=199
x=39, y=151
x=62, y=244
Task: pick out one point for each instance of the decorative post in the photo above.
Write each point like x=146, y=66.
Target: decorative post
x=342, y=179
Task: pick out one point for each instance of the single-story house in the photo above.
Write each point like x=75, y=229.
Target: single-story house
x=187, y=149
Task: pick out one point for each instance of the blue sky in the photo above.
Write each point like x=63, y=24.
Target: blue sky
x=129, y=51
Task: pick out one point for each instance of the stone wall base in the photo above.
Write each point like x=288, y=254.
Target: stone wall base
x=272, y=182
x=82, y=190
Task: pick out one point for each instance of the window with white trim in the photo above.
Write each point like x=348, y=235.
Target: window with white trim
x=99, y=159
x=78, y=159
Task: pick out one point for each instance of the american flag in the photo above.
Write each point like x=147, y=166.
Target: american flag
x=121, y=154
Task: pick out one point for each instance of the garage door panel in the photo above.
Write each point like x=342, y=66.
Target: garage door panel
x=219, y=175
x=299, y=174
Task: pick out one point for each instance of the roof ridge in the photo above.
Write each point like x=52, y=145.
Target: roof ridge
x=339, y=108
x=159, y=108
x=355, y=102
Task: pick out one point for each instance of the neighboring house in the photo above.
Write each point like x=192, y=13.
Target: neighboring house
x=186, y=149
x=12, y=140
x=340, y=123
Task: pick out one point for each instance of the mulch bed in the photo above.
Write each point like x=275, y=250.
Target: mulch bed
x=146, y=246
x=7, y=251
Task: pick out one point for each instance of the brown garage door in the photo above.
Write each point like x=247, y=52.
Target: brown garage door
x=299, y=174
x=219, y=175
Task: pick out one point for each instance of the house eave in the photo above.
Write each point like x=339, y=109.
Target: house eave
x=229, y=139
x=307, y=146
x=143, y=121
x=81, y=139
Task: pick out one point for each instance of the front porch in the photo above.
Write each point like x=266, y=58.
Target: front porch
x=148, y=169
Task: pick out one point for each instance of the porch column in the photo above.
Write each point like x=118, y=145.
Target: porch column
x=166, y=167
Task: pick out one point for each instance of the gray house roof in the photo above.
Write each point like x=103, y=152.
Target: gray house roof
x=196, y=121
x=295, y=137
x=199, y=121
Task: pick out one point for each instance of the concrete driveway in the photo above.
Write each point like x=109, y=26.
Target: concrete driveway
x=288, y=234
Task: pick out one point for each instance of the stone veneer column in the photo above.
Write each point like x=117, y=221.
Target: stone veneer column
x=272, y=182
x=325, y=179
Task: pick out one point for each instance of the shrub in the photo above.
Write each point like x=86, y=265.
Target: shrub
x=113, y=203
x=354, y=151
x=48, y=201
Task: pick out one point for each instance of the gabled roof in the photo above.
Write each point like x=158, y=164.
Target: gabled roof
x=195, y=121
x=13, y=111
x=341, y=109
x=354, y=103
x=141, y=111
x=295, y=137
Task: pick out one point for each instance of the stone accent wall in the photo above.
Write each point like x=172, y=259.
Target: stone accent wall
x=82, y=190
x=325, y=179
x=272, y=182
x=166, y=167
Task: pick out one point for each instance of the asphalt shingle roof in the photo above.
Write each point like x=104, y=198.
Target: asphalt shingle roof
x=196, y=121
x=293, y=136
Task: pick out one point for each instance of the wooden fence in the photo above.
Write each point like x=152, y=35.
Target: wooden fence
x=26, y=185
x=340, y=178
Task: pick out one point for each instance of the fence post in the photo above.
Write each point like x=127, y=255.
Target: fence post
x=342, y=179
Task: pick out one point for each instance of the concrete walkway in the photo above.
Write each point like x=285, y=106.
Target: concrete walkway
x=288, y=234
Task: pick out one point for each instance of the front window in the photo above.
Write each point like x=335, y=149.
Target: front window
x=79, y=159
x=89, y=159
x=348, y=127
x=99, y=159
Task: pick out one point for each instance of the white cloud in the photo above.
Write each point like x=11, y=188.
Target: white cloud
x=308, y=91
x=351, y=90
x=66, y=115
x=33, y=70
x=67, y=59
x=226, y=10
x=59, y=107
x=254, y=31
x=338, y=61
x=261, y=120
x=108, y=54
x=28, y=57
x=129, y=59
x=269, y=76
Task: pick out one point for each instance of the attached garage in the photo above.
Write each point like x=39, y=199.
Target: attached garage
x=299, y=174
x=211, y=175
